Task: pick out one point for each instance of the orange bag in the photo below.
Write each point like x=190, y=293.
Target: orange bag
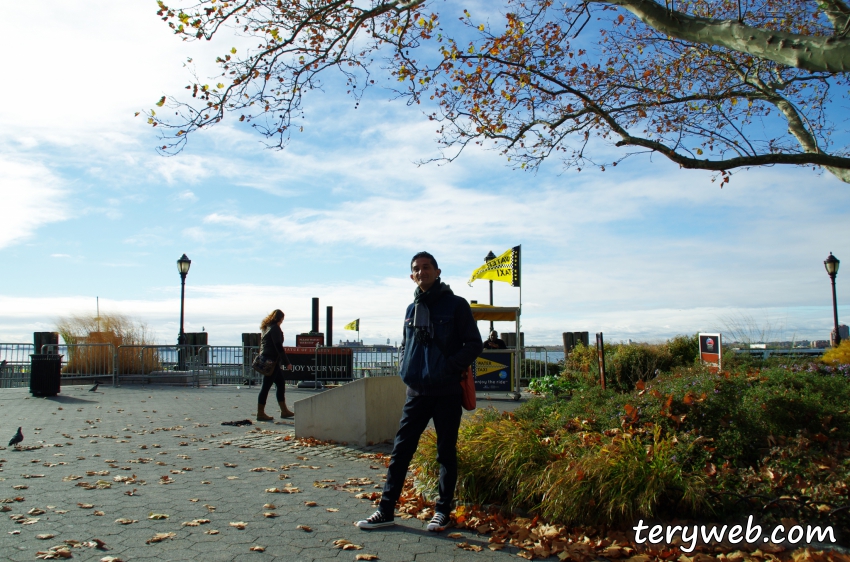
x=467, y=383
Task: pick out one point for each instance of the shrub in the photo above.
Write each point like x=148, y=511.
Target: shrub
x=114, y=329
x=582, y=358
x=839, y=355
x=556, y=384
x=638, y=362
x=684, y=349
x=690, y=442
x=570, y=477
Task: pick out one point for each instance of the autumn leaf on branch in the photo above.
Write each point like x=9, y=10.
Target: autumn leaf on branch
x=709, y=85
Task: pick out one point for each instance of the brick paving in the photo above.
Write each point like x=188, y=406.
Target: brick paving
x=91, y=458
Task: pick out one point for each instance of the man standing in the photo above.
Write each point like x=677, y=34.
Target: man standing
x=440, y=341
x=494, y=341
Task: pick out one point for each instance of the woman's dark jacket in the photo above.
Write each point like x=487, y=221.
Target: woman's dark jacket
x=433, y=366
x=271, y=344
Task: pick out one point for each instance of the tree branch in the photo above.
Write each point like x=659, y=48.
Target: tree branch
x=813, y=53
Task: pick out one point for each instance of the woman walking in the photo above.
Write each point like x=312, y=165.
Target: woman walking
x=271, y=347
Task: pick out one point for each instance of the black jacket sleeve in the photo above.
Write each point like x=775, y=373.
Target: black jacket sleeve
x=468, y=335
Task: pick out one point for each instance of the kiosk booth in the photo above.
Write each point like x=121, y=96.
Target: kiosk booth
x=497, y=370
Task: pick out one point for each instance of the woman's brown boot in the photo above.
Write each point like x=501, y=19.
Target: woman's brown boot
x=284, y=411
x=261, y=413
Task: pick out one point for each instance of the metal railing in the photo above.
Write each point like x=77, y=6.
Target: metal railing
x=15, y=364
x=84, y=360
x=212, y=365
x=765, y=353
x=534, y=363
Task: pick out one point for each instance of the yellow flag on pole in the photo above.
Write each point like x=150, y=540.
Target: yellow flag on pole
x=505, y=268
x=353, y=326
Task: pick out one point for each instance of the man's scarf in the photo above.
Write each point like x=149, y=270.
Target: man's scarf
x=421, y=313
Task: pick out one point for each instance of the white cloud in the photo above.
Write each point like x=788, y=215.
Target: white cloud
x=32, y=196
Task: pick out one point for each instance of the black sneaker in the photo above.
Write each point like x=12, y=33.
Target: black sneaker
x=439, y=522
x=375, y=521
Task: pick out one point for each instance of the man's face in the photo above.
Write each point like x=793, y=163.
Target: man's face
x=423, y=273
x=493, y=335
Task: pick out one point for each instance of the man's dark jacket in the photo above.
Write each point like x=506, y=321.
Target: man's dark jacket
x=433, y=367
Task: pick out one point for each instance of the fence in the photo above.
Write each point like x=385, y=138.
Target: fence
x=15, y=364
x=213, y=365
x=765, y=353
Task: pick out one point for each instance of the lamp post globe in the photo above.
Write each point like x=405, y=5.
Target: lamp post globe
x=490, y=256
x=182, y=268
x=831, y=264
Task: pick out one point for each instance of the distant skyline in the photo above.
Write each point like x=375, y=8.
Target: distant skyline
x=643, y=251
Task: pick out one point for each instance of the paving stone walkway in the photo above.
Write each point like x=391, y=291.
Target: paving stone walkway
x=107, y=466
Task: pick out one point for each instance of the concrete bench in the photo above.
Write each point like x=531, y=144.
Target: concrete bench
x=362, y=412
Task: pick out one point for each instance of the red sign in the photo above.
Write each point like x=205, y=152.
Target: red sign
x=711, y=351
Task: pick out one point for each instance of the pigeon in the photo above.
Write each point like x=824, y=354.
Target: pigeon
x=94, y=388
x=16, y=439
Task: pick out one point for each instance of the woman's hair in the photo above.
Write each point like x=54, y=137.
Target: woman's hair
x=274, y=317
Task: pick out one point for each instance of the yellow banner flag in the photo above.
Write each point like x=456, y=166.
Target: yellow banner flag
x=505, y=268
x=353, y=326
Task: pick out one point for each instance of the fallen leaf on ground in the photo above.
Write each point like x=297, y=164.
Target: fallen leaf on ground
x=111, y=559
x=211, y=532
x=44, y=536
x=257, y=549
x=366, y=557
x=469, y=547
x=95, y=543
x=269, y=514
x=311, y=504
x=157, y=516
x=239, y=524
x=85, y=505
x=269, y=506
x=331, y=509
x=305, y=528
x=159, y=537
x=455, y=535
x=54, y=553
x=126, y=521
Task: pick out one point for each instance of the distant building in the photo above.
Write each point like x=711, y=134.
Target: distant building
x=758, y=346
x=844, y=332
x=820, y=344
x=347, y=343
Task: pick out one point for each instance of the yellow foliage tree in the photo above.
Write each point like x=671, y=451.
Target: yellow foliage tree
x=838, y=355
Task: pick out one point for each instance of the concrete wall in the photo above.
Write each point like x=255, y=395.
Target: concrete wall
x=361, y=412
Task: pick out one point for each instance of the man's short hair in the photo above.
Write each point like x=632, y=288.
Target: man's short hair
x=492, y=332
x=423, y=255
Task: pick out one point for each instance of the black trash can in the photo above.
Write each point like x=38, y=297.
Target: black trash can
x=45, y=374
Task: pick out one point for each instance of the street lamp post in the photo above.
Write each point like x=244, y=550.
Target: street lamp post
x=490, y=256
x=831, y=264
x=183, y=268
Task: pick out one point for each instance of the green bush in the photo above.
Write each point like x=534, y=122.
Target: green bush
x=684, y=349
x=555, y=384
x=687, y=443
x=637, y=362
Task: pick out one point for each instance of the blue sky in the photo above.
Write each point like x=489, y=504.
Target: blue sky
x=644, y=251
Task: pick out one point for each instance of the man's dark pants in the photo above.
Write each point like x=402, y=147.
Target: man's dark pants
x=418, y=410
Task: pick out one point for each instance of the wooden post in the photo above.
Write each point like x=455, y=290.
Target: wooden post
x=600, y=355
